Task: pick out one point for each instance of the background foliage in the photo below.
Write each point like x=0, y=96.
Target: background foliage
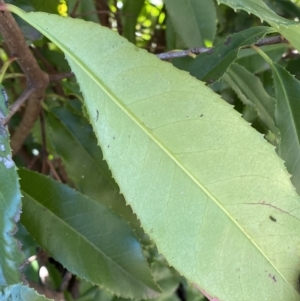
x=82, y=241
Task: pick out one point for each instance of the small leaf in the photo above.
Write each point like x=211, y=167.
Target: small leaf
x=251, y=91
x=210, y=66
x=11, y=257
x=20, y=292
x=86, y=237
x=194, y=21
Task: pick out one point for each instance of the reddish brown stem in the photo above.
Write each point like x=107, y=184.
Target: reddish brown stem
x=37, y=80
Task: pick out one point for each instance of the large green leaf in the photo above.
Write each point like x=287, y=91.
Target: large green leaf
x=288, y=28
x=194, y=21
x=20, y=292
x=287, y=118
x=210, y=66
x=11, y=257
x=251, y=91
x=85, y=164
x=209, y=190
x=86, y=237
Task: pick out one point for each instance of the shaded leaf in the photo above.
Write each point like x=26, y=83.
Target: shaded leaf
x=86, y=237
x=287, y=117
x=131, y=10
x=251, y=91
x=288, y=28
x=210, y=191
x=194, y=21
x=11, y=257
x=210, y=66
x=85, y=164
x=48, y=6
x=20, y=292
x=85, y=9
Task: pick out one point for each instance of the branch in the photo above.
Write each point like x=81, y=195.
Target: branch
x=37, y=80
x=182, y=53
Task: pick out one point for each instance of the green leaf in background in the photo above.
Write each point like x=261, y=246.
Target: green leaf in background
x=47, y=6
x=254, y=63
x=20, y=292
x=282, y=7
x=85, y=164
x=288, y=28
x=11, y=257
x=194, y=21
x=209, y=190
x=251, y=91
x=86, y=9
x=93, y=243
x=130, y=12
x=287, y=118
x=211, y=66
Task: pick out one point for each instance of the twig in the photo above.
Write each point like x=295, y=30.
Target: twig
x=36, y=78
x=53, y=170
x=176, y=54
x=65, y=281
x=103, y=18
x=118, y=19
x=18, y=103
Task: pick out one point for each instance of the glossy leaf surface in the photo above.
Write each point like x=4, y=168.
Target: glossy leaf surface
x=11, y=257
x=209, y=190
x=194, y=21
x=93, y=243
x=210, y=66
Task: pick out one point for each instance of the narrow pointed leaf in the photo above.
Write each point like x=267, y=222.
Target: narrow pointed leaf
x=11, y=257
x=209, y=190
x=251, y=91
x=254, y=63
x=131, y=10
x=194, y=21
x=86, y=237
x=287, y=118
x=20, y=292
x=84, y=164
x=288, y=28
x=210, y=66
